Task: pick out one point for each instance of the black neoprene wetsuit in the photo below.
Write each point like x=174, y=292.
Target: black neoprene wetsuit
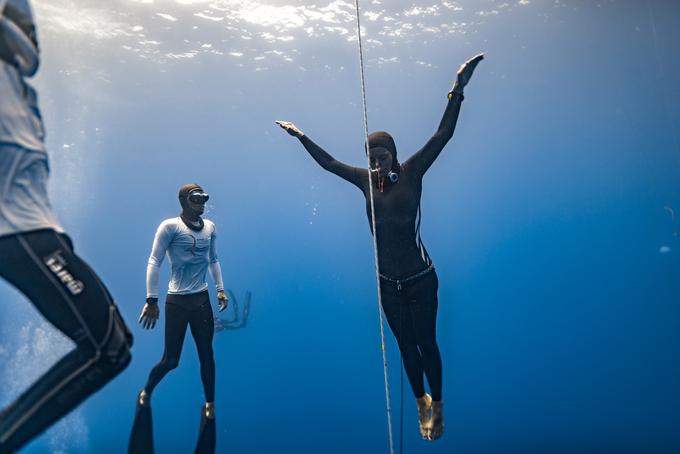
x=397, y=207
x=401, y=253
x=43, y=266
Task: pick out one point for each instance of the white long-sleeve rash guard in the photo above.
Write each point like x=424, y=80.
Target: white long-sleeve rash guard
x=20, y=120
x=190, y=253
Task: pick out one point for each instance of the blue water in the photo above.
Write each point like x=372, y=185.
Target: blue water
x=559, y=293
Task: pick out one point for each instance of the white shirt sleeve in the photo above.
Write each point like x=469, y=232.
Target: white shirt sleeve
x=160, y=245
x=214, y=267
x=26, y=56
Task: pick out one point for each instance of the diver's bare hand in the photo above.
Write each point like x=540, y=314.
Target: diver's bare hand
x=465, y=73
x=290, y=128
x=150, y=313
x=223, y=301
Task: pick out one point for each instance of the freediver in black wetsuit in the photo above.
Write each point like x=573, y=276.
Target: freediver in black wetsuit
x=408, y=281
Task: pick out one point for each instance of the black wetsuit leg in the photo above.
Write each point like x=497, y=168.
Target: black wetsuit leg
x=176, y=322
x=202, y=329
x=42, y=265
x=192, y=310
x=412, y=315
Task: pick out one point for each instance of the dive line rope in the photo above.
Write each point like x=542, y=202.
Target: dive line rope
x=375, y=233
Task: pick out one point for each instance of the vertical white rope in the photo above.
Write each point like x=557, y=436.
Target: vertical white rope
x=375, y=234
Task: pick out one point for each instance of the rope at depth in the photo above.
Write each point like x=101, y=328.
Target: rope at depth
x=375, y=239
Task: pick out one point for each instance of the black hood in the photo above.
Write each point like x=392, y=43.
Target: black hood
x=382, y=139
x=191, y=218
x=184, y=193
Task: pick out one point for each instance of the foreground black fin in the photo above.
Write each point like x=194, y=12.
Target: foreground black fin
x=141, y=437
x=207, y=436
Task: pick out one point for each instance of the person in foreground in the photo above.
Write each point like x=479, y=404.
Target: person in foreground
x=408, y=281
x=38, y=258
x=189, y=242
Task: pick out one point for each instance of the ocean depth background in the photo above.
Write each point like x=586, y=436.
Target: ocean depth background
x=553, y=216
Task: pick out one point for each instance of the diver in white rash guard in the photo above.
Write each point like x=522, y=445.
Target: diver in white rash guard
x=190, y=253
x=189, y=242
x=38, y=258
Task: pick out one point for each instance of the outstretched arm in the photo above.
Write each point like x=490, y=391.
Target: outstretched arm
x=423, y=158
x=16, y=48
x=354, y=175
